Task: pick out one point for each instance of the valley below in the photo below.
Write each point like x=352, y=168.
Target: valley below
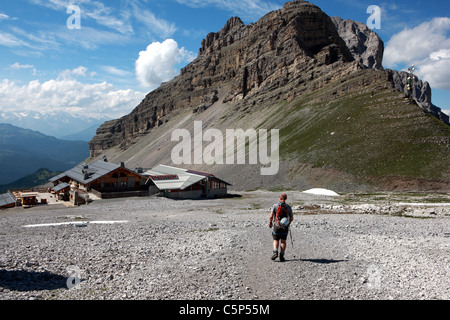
x=353, y=246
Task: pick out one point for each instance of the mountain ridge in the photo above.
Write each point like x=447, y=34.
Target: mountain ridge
x=58, y=125
x=23, y=151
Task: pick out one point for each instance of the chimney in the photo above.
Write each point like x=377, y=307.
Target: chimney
x=122, y=164
x=85, y=171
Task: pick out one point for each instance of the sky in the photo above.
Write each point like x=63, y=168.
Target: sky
x=100, y=58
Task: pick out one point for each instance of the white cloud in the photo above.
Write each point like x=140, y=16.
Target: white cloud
x=427, y=46
x=90, y=38
x=103, y=16
x=4, y=16
x=9, y=40
x=118, y=18
x=246, y=9
x=101, y=25
x=80, y=71
x=18, y=66
x=158, y=63
x=68, y=74
x=68, y=95
x=94, y=10
x=157, y=26
x=116, y=71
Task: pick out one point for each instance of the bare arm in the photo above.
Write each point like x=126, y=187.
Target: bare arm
x=271, y=218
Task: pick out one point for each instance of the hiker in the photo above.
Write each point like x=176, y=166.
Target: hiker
x=280, y=230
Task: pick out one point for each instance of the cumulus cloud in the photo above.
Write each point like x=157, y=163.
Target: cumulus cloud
x=18, y=66
x=68, y=95
x=158, y=63
x=427, y=46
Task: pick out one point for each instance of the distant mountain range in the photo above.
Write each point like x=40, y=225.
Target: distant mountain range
x=40, y=177
x=23, y=151
x=62, y=125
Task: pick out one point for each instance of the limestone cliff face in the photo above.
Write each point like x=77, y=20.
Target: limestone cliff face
x=367, y=49
x=420, y=91
x=288, y=46
x=365, y=45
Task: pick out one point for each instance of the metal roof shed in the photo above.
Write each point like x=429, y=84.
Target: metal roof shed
x=61, y=186
x=173, y=179
x=7, y=200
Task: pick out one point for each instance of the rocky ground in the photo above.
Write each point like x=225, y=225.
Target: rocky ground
x=347, y=247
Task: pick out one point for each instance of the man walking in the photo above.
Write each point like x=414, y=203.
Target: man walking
x=280, y=218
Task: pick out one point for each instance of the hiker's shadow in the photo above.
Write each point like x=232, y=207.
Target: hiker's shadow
x=322, y=261
x=22, y=280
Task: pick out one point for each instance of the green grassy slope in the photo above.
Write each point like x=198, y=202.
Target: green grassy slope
x=372, y=132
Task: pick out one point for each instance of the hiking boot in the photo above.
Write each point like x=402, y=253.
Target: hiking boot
x=282, y=259
x=275, y=255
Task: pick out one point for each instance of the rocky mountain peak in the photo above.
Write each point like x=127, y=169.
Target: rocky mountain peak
x=365, y=45
x=226, y=36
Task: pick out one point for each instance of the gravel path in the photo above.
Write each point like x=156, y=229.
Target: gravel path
x=220, y=249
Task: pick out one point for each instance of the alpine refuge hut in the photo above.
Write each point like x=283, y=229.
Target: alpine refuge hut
x=103, y=179
x=179, y=183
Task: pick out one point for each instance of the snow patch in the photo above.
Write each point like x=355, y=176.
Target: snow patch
x=321, y=191
x=78, y=223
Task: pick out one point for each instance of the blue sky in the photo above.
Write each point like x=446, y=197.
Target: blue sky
x=124, y=49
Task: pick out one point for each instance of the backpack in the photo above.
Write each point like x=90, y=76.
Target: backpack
x=282, y=212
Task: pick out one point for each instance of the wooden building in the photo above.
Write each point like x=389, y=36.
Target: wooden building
x=28, y=199
x=179, y=183
x=7, y=200
x=104, y=179
x=62, y=191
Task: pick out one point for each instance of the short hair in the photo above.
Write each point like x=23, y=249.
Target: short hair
x=283, y=196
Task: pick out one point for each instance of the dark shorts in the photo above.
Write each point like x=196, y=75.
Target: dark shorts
x=280, y=234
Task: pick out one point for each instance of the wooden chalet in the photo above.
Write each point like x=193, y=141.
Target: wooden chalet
x=102, y=178
x=179, y=183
